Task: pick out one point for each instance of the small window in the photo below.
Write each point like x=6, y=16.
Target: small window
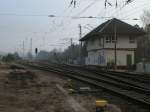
x=113, y=39
x=108, y=39
x=131, y=39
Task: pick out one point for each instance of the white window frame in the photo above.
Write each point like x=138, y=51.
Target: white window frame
x=110, y=39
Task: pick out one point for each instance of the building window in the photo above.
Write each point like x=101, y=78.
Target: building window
x=113, y=39
x=131, y=39
x=110, y=39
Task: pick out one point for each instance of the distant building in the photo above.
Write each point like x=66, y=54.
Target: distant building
x=102, y=47
x=43, y=55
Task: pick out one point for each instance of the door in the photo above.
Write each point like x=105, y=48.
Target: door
x=129, y=60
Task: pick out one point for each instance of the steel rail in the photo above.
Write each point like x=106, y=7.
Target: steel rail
x=143, y=100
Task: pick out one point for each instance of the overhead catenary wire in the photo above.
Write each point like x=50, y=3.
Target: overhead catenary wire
x=123, y=7
x=115, y=11
x=69, y=22
x=125, y=18
x=111, y=15
x=85, y=17
x=81, y=17
x=102, y=17
x=105, y=9
x=136, y=10
x=71, y=17
x=98, y=17
x=64, y=19
x=75, y=17
x=87, y=7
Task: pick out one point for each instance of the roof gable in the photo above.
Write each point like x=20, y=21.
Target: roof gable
x=108, y=28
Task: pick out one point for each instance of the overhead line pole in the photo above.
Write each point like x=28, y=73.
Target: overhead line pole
x=80, y=49
x=31, y=47
x=23, y=49
x=71, y=45
x=115, y=45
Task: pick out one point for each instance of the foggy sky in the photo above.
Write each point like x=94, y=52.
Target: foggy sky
x=21, y=20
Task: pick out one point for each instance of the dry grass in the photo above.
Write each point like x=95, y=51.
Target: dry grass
x=24, y=91
x=36, y=91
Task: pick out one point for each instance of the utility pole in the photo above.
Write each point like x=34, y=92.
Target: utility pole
x=31, y=47
x=71, y=46
x=71, y=43
x=23, y=49
x=80, y=49
x=80, y=29
x=115, y=45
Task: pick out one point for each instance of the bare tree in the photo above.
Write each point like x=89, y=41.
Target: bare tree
x=146, y=18
x=143, y=50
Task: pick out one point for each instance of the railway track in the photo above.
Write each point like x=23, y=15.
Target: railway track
x=130, y=91
x=129, y=77
x=112, y=79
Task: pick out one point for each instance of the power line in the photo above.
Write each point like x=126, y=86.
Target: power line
x=131, y=12
x=136, y=10
x=87, y=7
x=51, y=16
x=15, y=14
x=68, y=22
x=114, y=12
x=75, y=17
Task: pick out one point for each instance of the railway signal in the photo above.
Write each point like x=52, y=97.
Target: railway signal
x=36, y=51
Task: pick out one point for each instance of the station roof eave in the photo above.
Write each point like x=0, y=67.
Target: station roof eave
x=109, y=27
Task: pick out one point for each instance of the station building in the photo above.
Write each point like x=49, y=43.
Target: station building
x=110, y=41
